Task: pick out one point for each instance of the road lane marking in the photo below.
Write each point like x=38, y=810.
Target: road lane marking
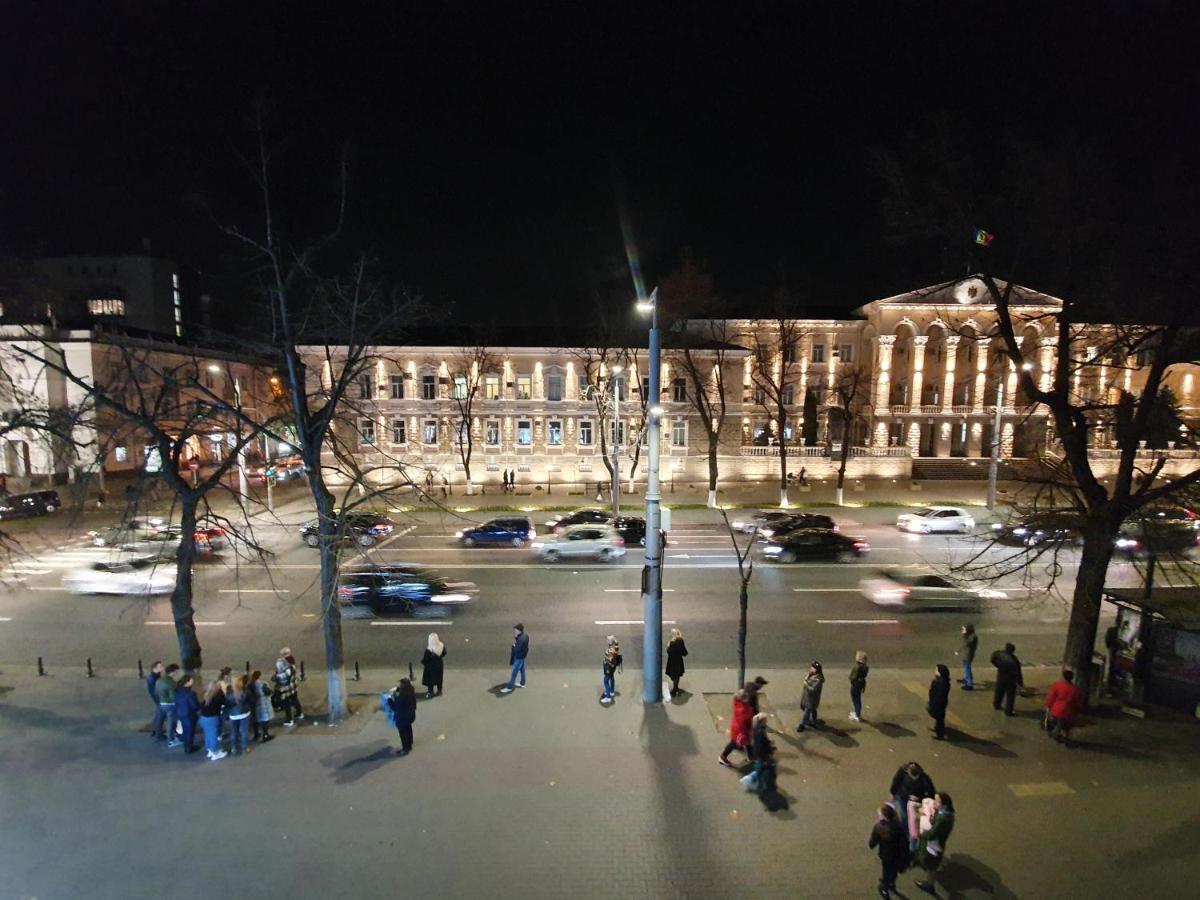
x=634, y=590
x=31, y=588
x=631, y=622
x=858, y=621
x=825, y=590
x=252, y=591
x=197, y=624
x=1042, y=789
x=421, y=622
x=699, y=555
x=5, y=619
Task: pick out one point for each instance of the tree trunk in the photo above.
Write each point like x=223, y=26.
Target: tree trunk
x=712, y=471
x=841, y=475
x=1098, y=538
x=781, y=417
x=332, y=614
x=743, y=604
x=182, y=610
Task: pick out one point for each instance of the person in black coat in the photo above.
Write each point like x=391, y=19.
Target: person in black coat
x=1008, y=678
x=889, y=837
x=432, y=666
x=676, y=651
x=939, y=699
x=403, y=704
x=764, y=754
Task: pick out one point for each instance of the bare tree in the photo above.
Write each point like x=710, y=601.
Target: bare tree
x=468, y=369
x=775, y=345
x=745, y=572
x=850, y=405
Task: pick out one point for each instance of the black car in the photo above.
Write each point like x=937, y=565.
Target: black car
x=815, y=543
x=586, y=516
x=363, y=529
x=402, y=589
x=632, y=529
x=796, y=522
x=1141, y=538
x=1035, y=532
x=36, y=503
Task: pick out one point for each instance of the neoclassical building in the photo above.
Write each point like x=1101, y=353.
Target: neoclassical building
x=930, y=364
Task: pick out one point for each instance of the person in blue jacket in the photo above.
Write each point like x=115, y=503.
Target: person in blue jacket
x=516, y=658
x=403, y=705
x=187, y=708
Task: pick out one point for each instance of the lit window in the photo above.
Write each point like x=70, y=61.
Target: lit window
x=120, y=454
x=106, y=306
x=491, y=387
x=679, y=433
x=524, y=433
x=818, y=353
x=366, y=431
x=491, y=433
x=396, y=383
x=524, y=387
x=399, y=434
x=554, y=387
x=429, y=432
x=554, y=433
x=585, y=433
x=428, y=387
x=460, y=387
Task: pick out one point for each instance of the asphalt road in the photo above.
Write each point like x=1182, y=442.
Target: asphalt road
x=798, y=612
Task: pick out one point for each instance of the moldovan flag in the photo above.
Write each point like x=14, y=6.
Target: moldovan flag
x=983, y=238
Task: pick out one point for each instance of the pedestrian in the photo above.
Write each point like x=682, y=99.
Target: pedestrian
x=739, y=724
x=810, y=697
x=763, y=751
x=803, y=477
x=889, y=838
x=512, y=481
x=755, y=689
x=403, y=704
x=504, y=480
x=429, y=483
x=931, y=849
x=445, y=485
x=1112, y=649
x=910, y=783
x=676, y=651
x=1008, y=678
x=260, y=697
x=211, y=707
x=970, y=643
x=239, y=707
x=516, y=658
x=1063, y=702
x=287, y=688
x=939, y=699
x=858, y=684
x=612, y=662
x=432, y=666
x=164, y=691
x=187, y=708
x=156, y=670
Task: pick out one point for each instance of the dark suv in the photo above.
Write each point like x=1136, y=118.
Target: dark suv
x=814, y=543
x=514, y=530
x=585, y=516
x=795, y=523
x=37, y=503
x=362, y=528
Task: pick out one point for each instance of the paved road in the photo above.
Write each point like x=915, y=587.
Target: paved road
x=798, y=612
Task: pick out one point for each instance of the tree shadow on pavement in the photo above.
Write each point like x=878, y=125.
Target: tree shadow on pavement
x=351, y=764
x=978, y=745
x=891, y=729
x=965, y=876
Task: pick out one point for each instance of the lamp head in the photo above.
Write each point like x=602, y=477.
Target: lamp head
x=617, y=370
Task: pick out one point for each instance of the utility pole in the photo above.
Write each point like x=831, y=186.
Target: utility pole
x=652, y=570
x=615, y=383
x=994, y=465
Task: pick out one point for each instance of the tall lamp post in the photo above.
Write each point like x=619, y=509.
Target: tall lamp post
x=652, y=570
x=616, y=443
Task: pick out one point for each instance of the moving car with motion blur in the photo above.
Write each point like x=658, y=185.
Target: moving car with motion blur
x=931, y=519
x=36, y=503
x=760, y=520
x=912, y=590
x=600, y=542
x=1034, y=532
x=399, y=589
x=515, y=531
x=796, y=522
x=154, y=537
x=1152, y=536
x=814, y=543
x=362, y=528
x=139, y=576
x=586, y=516
x=632, y=530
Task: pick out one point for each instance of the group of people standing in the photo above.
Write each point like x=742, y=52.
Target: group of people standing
x=401, y=702
x=508, y=481
x=231, y=710
x=911, y=828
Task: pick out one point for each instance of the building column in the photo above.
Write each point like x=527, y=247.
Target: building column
x=883, y=381
x=948, y=378
x=1047, y=345
x=975, y=439
x=918, y=364
x=1006, y=440
x=914, y=437
x=981, y=362
x=941, y=438
x=1010, y=389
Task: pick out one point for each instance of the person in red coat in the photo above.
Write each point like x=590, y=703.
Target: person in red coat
x=739, y=724
x=1063, y=702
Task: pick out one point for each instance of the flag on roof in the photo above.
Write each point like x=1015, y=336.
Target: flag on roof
x=983, y=238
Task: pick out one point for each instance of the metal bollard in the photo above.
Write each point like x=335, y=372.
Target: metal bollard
x=91, y=674
x=301, y=670
x=247, y=667
x=357, y=674
x=141, y=671
x=410, y=671
x=41, y=668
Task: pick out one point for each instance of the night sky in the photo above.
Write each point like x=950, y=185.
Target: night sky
x=492, y=144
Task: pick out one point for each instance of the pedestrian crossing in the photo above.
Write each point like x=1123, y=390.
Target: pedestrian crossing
x=17, y=566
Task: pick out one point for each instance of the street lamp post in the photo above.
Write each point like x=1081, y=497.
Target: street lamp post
x=652, y=570
x=616, y=448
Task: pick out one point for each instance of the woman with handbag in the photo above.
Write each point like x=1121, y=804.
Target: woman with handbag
x=260, y=698
x=433, y=666
x=403, y=706
x=810, y=698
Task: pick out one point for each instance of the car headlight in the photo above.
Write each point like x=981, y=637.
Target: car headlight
x=1126, y=543
x=458, y=535
x=738, y=524
x=537, y=545
x=1020, y=531
x=772, y=550
x=996, y=526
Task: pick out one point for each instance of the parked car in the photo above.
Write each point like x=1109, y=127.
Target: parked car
x=760, y=520
x=35, y=503
x=913, y=590
x=515, y=530
x=597, y=541
x=936, y=518
x=585, y=516
x=632, y=530
x=796, y=522
x=814, y=543
x=400, y=589
x=136, y=575
x=1035, y=532
x=364, y=529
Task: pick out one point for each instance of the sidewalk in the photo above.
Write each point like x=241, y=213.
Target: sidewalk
x=546, y=793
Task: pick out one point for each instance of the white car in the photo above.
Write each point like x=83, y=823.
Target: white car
x=937, y=518
x=144, y=577
x=907, y=589
x=601, y=542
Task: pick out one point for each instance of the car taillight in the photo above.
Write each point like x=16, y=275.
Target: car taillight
x=861, y=545
x=836, y=529
x=620, y=542
x=344, y=593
